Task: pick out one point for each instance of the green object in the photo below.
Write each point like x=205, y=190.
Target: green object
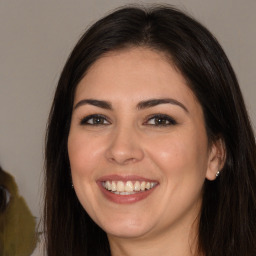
x=17, y=225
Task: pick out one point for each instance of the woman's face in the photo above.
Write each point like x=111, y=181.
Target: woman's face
x=137, y=145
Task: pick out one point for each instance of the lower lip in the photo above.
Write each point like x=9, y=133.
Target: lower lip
x=125, y=199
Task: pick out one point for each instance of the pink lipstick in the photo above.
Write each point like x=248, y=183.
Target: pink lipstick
x=126, y=189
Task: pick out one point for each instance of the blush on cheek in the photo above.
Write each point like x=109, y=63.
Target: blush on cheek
x=178, y=159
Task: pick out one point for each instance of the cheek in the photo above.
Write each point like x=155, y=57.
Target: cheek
x=180, y=155
x=84, y=154
x=84, y=159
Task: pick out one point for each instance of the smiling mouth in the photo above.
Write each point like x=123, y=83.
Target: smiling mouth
x=128, y=187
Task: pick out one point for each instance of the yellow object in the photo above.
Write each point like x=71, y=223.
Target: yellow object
x=17, y=225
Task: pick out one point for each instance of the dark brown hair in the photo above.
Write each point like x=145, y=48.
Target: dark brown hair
x=227, y=222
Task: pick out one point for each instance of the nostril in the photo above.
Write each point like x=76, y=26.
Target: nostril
x=124, y=148
x=125, y=157
x=122, y=161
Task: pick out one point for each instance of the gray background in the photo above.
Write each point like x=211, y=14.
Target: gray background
x=36, y=37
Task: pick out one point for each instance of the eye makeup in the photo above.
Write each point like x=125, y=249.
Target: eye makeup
x=95, y=119
x=160, y=120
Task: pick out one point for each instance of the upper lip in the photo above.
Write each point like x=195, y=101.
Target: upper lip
x=124, y=178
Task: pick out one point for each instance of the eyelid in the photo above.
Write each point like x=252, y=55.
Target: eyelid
x=170, y=119
x=85, y=119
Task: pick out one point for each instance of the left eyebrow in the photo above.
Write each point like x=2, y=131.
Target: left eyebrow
x=154, y=102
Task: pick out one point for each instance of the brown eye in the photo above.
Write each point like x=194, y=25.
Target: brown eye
x=161, y=120
x=94, y=120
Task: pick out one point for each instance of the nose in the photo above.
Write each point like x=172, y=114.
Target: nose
x=125, y=146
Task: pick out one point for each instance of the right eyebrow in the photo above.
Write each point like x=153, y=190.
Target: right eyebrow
x=93, y=102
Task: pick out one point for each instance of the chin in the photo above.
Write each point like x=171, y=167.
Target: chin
x=128, y=228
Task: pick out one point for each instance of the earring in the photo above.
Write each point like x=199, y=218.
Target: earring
x=217, y=174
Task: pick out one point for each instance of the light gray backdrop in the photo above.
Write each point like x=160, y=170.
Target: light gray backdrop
x=37, y=36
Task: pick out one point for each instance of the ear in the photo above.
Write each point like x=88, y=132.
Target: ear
x=216, y=159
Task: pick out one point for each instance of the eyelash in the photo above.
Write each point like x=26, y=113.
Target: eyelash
x=170, y=121
x=103, y=120
x=85, y=120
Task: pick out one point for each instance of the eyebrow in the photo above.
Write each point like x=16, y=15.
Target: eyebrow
x=141, y=105
x=98, y=103
x=154, y=102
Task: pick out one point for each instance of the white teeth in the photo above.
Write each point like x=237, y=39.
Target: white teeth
x=108, y=185
x=143, y=185
x=124, y=193
x=113, y=186
x=120, y=186
x=128, y=188
x=137, y=186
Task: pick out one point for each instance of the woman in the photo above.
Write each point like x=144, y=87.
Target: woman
x=149, y=146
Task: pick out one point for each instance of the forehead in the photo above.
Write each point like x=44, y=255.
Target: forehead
x=133, y=74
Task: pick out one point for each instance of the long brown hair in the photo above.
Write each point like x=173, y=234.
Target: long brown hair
x=227, y=222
